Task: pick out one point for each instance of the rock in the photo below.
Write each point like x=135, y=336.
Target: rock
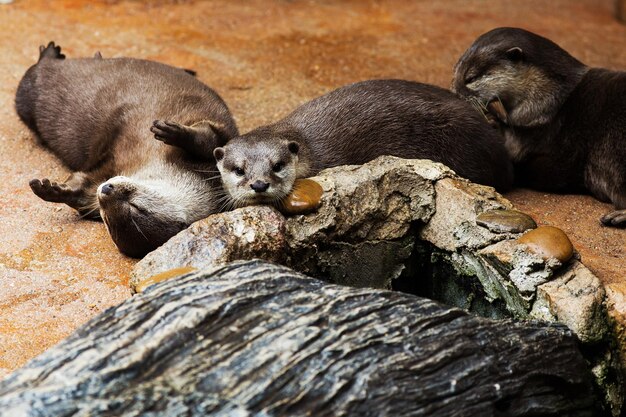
x=575, y=299
x=380, y=262
x=246, y=233
x=518, y=273
x=505, y=221
x=409, y=224
x=143, y=284
x=549, y=242
x=458, y=202
x=616, y=306
x=258, y=339
x=367, y=211
x=379, y=200
x=306, y=196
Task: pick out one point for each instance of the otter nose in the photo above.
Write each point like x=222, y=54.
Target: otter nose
x=106, y=189
x=259, y=186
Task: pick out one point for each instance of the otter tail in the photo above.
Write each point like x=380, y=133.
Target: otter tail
x=50, y=52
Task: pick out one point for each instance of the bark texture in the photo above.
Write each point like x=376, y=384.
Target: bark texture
x=253, y=338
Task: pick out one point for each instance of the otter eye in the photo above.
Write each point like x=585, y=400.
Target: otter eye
x=139, y=209
x=515, y=54
x=277, y=167
x=239, y=172
x=471, y=78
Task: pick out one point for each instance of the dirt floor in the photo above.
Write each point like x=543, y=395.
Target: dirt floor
x=264, y=58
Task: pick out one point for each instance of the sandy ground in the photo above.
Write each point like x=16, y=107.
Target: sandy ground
x=264, y=58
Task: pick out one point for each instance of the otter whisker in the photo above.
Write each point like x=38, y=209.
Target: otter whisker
x=138, y=229
x=90, y=209
x=207, y=171
x=227, y=203
x=212, y=178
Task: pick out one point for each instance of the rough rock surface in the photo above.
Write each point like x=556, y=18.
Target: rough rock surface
x=377, y=203
x=502, y=221
x=411, y=225
x=259, y=339
x=241, y=234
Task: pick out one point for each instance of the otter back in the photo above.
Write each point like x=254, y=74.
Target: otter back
x=357, y=123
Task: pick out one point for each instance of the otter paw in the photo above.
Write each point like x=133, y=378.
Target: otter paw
x=53, y=191
x=170, y=133
x=51, y=51
x=615, y=218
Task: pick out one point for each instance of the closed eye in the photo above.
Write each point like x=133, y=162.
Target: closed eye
x=277, y=167
x=471, y=78
x=139, y=209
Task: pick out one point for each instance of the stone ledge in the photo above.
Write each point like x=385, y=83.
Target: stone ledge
x=371, y=222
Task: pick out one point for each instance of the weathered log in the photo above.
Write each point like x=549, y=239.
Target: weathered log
x=254, y=338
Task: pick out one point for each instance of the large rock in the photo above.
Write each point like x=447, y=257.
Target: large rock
x=377, y=203
x=413, y=225
x=250, y=232
x=258, y=339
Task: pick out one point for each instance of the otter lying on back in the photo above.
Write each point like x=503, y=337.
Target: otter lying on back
x=564, y=123
x=97, y=114
x=355, y=124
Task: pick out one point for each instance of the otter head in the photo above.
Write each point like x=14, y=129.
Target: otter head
x=257, y=169
x=140, y=216
x=520, y=78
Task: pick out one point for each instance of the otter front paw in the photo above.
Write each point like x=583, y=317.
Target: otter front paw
x=170, y=133
x=615, y=218
x=53, y=191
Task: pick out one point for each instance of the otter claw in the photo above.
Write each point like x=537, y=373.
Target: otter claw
x=615, y=218
x=170, y=133
x=52, y=191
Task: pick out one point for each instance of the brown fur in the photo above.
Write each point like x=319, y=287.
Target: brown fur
x=355, y=124
x=98, y=116
x=564, y=123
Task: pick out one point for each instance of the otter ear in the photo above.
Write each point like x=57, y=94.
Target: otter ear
x=293, y=147
x=515, y=54
x=218, y=153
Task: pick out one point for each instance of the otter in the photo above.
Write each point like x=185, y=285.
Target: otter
x=355, y=124
x=139, y=136
x=564, y=123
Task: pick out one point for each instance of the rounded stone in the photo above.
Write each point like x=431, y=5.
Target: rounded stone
x=305, y=196
x=505, y=221
x=548, y=242
x=175, y=272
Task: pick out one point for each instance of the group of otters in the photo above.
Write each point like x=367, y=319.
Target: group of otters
x=145, y=139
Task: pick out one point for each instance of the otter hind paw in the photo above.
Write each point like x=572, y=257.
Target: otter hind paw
x=170, y=133
x=51, y=51
x=615, y=218
x=52, y=191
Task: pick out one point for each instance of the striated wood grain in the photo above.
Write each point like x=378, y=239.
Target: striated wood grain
x=254, y=338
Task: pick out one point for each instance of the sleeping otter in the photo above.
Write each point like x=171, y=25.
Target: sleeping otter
x=355, y=124
x=564, y=123
x=147, y=180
